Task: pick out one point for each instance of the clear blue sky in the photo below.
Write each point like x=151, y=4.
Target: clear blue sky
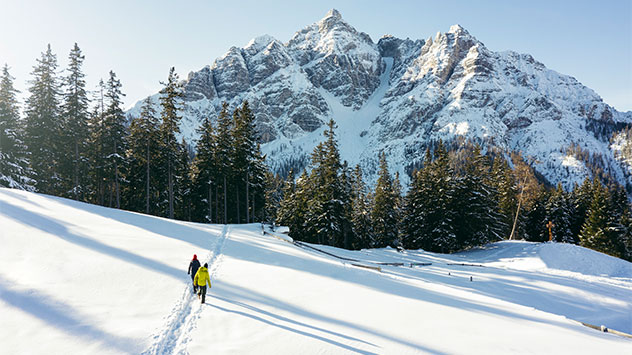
x=141, y=40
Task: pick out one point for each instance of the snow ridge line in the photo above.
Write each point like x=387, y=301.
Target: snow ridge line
x=181, y=320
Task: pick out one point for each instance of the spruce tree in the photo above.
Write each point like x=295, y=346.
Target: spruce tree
x=559, y=212
x=114, y=140
x=170, y=95
x=384, y=214
x=360, y=212
x=597, y=232
x=223, y=157
x=142, y=156
x=43, y=133
x=75, y=126
x=204, y=172
x=14, y=163
x=535, y=218
x=479, y=220
x=327, y=209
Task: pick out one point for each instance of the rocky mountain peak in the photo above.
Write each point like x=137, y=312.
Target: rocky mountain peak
x=400, y=95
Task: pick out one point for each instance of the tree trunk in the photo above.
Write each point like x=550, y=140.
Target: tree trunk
x=147, y=182
x=247, y=199
x=210, y=203
x=76, y=189
x=225, y=206
x=170, y=190
x=237, y=194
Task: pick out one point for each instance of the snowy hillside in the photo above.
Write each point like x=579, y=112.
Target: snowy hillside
x=398, y=95
x=77, y=278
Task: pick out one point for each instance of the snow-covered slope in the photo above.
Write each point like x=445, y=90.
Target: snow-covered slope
x=77, y=278
x=396, y=96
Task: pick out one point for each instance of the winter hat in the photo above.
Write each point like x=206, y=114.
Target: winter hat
x=194, y=256
x=205, y=264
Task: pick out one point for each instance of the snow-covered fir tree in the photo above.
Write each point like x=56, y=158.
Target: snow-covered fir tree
x=114, y=140
x=44, y=124
x=170, y=97
x=559, y=212
x=14, y=162
x=75, y=119
x=142, y=155
x=384, y=215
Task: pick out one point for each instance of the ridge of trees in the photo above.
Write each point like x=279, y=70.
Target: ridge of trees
x=459, y=197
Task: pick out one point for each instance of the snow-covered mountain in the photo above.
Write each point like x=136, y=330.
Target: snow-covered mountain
x=398, y=95
x=77, y=278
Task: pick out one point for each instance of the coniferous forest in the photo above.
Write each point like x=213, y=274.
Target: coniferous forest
x=77, y=143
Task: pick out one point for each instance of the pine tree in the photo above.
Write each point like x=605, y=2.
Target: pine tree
x=14, y=163
x=183, y=184
x=360, y=212
x=384, y=214
x=535, y=218
x=248, y=171
x=114, y=141
x=142, y=156
x=580, y=200
x=204, y=171
x=597, y=233
x=559, y=212
x=43, y=133
x=503, y=181
x=170, y=95
x=327, y=209
x=479, y=220
x=224, y=165
x=75, y=126
x=429, y=215
x=97, y=186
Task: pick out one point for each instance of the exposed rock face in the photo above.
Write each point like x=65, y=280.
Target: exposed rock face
x=398, y=95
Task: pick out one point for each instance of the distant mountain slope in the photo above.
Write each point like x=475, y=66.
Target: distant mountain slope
x=398, y=96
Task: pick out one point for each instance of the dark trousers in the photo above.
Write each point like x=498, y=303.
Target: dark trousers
x=202, y=292
x=195, y=287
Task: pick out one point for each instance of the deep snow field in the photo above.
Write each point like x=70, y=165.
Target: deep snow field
x=82, y=279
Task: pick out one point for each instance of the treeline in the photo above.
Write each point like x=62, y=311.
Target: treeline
x=458, y=199
x=70, y=146
x=87, y=149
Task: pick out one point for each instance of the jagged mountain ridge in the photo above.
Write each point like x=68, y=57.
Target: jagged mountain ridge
x=398, y=95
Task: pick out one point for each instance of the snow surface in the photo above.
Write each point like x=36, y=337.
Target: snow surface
x=78, y=278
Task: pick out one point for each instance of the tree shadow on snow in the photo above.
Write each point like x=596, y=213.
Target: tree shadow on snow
x=57, y=228
x=62, y=317
x=173, y=229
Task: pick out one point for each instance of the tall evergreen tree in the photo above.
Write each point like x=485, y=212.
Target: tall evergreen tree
x=75, y=126
x=170, y=95
x=327, y=210
x=114, y=140
x=14, y=163
x=597, y=232
x=479, y=220
x=43, y=133
x=559, y=212
x=97, y=186
x=535, y=218
x=384, y=214
x=142, y=156
x=224, y=165
x=248, y=172
x=360, y=212
x=429, y=216
x=204, y=171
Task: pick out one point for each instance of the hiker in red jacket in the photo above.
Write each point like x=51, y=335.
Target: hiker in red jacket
x=194, y=265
